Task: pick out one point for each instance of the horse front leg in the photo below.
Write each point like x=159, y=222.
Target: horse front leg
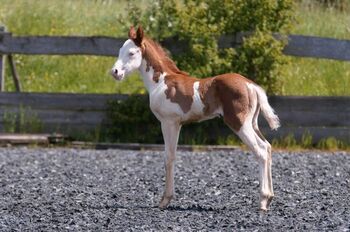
x=170, y=132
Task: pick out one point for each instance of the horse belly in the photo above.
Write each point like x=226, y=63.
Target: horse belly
x=165, y=109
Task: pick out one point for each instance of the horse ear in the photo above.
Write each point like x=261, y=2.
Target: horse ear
x=139, y=36
x=132, y=33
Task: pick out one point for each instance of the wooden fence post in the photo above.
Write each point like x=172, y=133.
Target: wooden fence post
x=2, y=64
x=14, y=73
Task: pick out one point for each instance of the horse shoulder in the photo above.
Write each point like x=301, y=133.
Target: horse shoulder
x=180, y=90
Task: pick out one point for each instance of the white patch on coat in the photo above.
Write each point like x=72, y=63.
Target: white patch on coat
x=266, y=109
x=160, y=105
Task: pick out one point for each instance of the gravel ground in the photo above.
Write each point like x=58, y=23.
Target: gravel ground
x=118, y=190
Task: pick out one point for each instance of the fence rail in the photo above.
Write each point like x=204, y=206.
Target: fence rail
x=298, y=45
x=71, y=113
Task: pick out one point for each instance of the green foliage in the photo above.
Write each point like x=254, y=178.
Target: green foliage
x=201, y=22
x=132, y=121
x=306, y=140
x=229, y=140
x=260, y=57
x=331, y=143
x=288, y=141
x=22, y=121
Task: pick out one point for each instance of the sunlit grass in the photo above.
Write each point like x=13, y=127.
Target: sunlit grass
x=313, y=19
x=316, y=77
x=83, y=74
x=56, y=17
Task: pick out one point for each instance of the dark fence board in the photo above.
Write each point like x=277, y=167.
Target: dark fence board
x=72, y=113
x=318, y=133
x=58, y=101
x=61, y=45
x=309, y=46
x=310, y=118
x=332, y=103
x=66, y=117
x=298, y=45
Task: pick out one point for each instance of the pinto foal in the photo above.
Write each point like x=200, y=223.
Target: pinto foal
x=177, y=98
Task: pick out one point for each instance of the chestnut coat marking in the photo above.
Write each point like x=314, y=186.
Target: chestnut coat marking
x=225, y=94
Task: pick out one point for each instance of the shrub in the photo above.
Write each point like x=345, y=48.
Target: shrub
x=201, y=22
x=132, y=121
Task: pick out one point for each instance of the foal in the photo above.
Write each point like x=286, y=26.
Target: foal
x=177, y=98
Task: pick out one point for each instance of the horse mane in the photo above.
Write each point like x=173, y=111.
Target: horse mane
x=157, y=58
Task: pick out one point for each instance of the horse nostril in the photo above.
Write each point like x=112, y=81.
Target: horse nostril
x=115, y=71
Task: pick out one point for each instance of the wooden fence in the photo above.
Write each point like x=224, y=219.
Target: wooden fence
x=298, y=45
x=81, y=113
x=321, y=116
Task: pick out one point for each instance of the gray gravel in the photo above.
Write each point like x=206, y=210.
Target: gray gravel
x=118, y=190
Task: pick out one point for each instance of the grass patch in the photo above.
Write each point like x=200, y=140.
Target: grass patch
x=24, y=120
x=316, y=77
x=306, y=142
x=71, y=74
x=314, y=19
x=56, y=17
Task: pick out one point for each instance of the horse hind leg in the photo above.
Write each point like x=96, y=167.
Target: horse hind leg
x=264, y=143
x=259, y=147
x=248, y=135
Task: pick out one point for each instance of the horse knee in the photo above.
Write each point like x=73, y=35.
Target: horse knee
x=170, y=159
x=262, y=155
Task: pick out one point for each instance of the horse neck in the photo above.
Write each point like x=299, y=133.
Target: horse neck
x=147, y=76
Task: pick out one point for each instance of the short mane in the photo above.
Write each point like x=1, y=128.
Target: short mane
x=158, y=59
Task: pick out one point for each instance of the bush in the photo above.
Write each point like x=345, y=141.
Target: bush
x=132, y=121
x=201, y=22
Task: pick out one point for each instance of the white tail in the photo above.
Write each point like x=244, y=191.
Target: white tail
x=268, y=112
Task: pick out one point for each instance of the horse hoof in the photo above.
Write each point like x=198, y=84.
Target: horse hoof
x=165, y=202
x=269, y=201
x=265, y=203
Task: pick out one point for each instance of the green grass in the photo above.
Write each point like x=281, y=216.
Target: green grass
x=316, y=77
x=89, y=74
x=314, y=19
x=70, y=74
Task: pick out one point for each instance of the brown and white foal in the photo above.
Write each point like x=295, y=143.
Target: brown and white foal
x=177, y=98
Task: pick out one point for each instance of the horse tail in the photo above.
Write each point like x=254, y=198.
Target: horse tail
x=269, y=114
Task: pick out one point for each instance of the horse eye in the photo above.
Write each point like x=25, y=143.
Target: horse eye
x=131, y=53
